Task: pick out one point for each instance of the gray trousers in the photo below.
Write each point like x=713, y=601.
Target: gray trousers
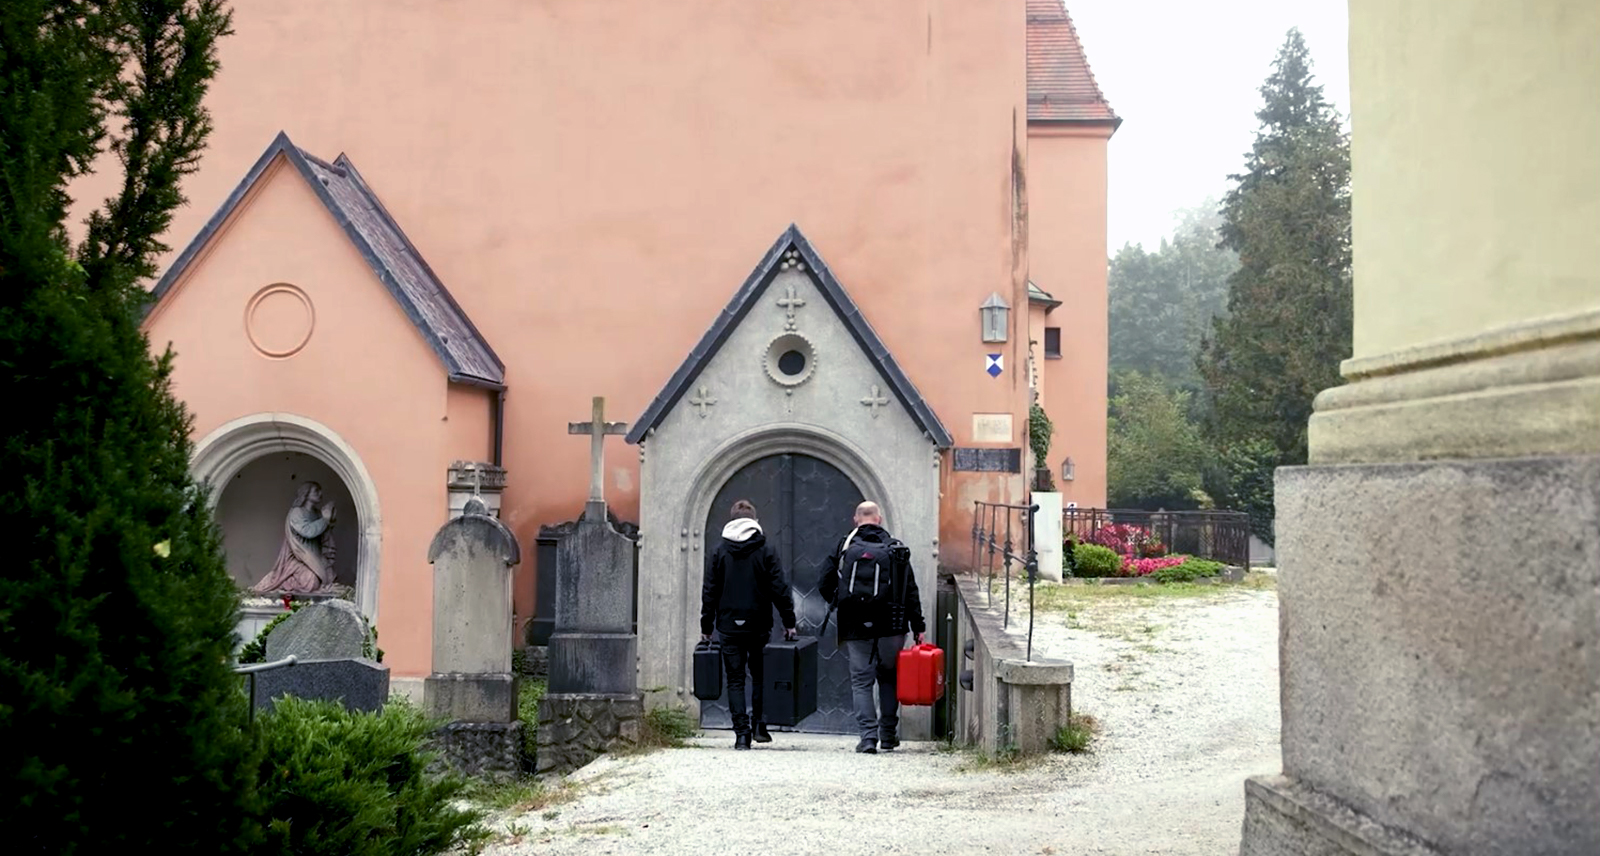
x=876, y=721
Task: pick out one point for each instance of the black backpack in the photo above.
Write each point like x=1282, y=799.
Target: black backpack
x=867, y=573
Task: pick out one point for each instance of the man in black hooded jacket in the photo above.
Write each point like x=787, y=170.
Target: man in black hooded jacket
x=869, y=580
x=743, y=582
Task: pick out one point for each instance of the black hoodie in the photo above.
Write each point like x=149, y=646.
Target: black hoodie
x=743, y=582
x=875, y=619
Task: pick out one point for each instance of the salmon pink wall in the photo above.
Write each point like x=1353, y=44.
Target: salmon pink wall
x=364, y=371
x=1067, y=257
x=593, y=181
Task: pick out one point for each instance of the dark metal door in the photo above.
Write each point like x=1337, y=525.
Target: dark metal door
x=805, y=506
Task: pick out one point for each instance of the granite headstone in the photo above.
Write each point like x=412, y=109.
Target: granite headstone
x=328, y=630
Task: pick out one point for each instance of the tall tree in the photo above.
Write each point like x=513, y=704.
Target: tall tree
x=1289, y=305
x=1162, y=302
x=122, y=721
x=1155, y=457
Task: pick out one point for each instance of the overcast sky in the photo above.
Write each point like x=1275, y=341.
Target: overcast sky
x=1184, y=75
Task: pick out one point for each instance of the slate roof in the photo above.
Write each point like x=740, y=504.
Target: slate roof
x=748, y=296
x=467, y=357
x=1061, y=88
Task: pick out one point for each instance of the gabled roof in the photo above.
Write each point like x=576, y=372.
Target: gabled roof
x=466, y=356
x=748, y=296
x=1061, y=88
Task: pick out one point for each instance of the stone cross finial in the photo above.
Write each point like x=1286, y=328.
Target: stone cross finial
x=597, y=428
x=875, y=401
x=791, y=304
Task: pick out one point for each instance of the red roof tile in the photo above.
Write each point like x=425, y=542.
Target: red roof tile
x=1061, y=88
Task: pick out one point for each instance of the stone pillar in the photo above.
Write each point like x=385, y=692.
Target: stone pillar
x=472, y=685
x=466, y=479
x=1047, y=534
x=1439, y=559
x=593, y=702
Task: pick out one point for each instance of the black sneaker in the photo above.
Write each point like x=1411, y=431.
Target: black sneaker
x=762, y=735
x=741, y=741
x=889, y=744
x=867, y=746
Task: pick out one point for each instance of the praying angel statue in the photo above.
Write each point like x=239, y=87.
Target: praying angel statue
x=305, y=561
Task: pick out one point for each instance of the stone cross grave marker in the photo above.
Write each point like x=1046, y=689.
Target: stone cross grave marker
x=597, y=428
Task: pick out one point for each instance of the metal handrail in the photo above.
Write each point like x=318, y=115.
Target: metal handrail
x=255, y=668
x=987, y=552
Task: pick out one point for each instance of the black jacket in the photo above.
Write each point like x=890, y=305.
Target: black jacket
x=885, y=619
x=743, y=582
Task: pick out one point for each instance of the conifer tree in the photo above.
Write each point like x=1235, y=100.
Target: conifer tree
x=122, y=722
x=1289, y=304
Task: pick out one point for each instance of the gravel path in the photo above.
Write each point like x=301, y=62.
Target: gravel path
x=1186, y=690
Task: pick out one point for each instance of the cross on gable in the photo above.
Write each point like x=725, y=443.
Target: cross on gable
x=597, y=428
x=791, y=303
x=874, y=401
x=702, y=400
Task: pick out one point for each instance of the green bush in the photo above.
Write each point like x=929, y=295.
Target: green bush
x=1191, y=570
x=1093, y=560
x=667, y=726
x=1077, y=735
x=353, y=784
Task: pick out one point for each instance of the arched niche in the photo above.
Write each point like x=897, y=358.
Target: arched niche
x=264, y=450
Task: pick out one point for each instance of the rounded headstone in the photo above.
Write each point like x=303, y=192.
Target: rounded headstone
x=328, y=630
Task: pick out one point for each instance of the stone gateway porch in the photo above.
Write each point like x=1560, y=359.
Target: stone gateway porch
x=790, y=400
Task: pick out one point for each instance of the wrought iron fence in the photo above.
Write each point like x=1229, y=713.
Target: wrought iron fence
x=253, y=669
x=1221, y=536
x=998, y=532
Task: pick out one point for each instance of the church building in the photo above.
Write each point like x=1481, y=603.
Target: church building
x=808, y=252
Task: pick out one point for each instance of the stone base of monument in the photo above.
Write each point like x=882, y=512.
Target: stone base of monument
x=359, y=684
x=481, y=749
x=471, y=698
x=1284, y=816
x=1440, y=659
x=576, y=728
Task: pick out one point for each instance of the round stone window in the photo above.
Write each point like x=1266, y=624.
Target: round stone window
x=790, y=359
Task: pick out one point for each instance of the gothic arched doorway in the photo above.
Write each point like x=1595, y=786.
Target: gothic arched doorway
x=805, y=506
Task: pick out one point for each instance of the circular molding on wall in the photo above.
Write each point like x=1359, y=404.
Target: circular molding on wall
x=790, y=359
x=279, y=320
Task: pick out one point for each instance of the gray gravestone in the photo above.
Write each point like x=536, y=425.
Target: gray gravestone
x=358, y=684
x=593, y=703
x=329, y=630
x=472, y=558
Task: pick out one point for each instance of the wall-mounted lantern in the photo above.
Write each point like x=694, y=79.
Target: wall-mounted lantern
x=1068, y=471
x=995, y=312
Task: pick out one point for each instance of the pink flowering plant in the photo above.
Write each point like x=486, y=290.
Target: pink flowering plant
x=1129, y=541
x=1146, y=567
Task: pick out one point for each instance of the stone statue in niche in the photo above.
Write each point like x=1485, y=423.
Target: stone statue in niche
x=305, y=561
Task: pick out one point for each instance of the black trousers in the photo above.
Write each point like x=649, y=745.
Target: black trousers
x=741, y=651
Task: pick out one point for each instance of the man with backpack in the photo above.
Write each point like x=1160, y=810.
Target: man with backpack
x=870, y=582
x=743, y=582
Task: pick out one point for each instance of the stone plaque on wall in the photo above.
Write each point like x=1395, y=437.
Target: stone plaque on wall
x=986, y=460
x=991, y=427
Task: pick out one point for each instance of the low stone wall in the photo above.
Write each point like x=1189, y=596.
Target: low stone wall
x=1013, y=704
x=483, y=749
x=576, y=728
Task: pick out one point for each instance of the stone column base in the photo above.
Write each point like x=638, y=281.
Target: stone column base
x=576, y=728
x=1283, y=817
x=488, y=749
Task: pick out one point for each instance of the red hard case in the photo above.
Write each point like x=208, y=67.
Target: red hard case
x=920, y=678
